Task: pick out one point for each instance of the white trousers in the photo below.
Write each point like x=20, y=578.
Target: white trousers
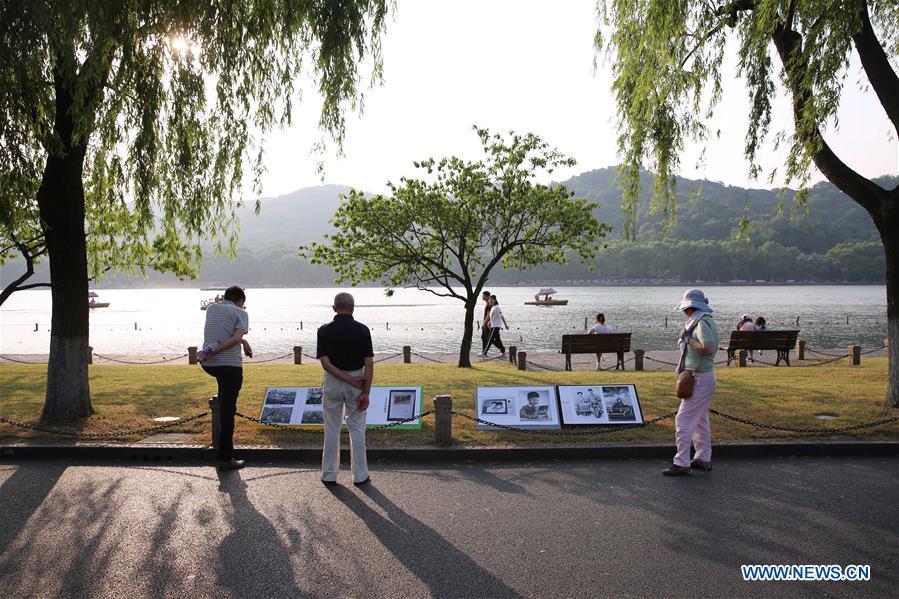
x=692, y=421
x=341, y=398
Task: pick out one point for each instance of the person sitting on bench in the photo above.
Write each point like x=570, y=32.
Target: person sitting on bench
x=600, y=328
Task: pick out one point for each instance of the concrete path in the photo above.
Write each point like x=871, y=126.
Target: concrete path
x=555, y=529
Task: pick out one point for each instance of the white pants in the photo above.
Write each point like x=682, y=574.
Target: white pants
x=692, y=421
x=339, y=398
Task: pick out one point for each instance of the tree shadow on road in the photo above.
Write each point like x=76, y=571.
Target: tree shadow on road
x=21, y=495
x=447, y=571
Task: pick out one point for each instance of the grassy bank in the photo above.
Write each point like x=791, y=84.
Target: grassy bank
x=126, y=397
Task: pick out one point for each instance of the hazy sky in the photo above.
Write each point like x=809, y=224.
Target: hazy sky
x=527, y=66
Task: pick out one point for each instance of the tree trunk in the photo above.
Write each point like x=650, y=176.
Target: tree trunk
x=888, y=233
x=61, y=203
x=465, y=350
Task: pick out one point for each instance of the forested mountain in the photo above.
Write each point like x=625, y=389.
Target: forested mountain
x=834, y=241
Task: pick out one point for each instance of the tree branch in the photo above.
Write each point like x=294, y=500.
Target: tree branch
x=877, y=66
x=867, y=193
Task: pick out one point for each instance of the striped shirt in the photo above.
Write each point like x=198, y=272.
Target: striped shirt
x=222, y=320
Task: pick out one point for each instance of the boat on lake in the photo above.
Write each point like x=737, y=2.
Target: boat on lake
x=93, y=303
x=548, y=300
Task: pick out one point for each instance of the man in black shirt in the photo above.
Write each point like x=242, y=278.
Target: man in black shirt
x=345, y=351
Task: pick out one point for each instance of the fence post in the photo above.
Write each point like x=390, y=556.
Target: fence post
x=215, y=415
x=407, y=354
x=522, y=360
x=741, y=358
x=855, y=355
x=513, y=354
x=638, y=359
x=800, y=349
x=192, y=354
x=443, y=420
x=297, y=354
x=90, y=354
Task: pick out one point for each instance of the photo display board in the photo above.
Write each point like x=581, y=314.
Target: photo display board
x=302, y=406
x=521, y=407
x=600, y=404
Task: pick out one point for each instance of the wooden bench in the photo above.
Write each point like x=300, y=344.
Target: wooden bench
x=781, y=341
x=612, y=343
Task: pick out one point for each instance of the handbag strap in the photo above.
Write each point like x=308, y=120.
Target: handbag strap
x=683, y=354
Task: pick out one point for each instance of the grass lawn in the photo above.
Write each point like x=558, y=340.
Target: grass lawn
x=126, y=397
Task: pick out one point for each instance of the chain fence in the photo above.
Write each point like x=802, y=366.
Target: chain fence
x=164, y=360
x=20, y=361
x=794, y=429
x=565, y=433
x=292, y=428
x=108, y=435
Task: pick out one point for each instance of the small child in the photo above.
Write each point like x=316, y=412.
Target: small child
x=600, y=328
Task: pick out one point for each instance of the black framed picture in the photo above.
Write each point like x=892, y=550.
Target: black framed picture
x=401, y=404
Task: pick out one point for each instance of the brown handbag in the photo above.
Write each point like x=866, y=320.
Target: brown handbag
x=683, y=388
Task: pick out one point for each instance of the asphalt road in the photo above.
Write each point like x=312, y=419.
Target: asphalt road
x=557, y=529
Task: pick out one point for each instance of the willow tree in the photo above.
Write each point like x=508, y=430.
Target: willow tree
x=667, y=58
x=445, y=233
x=127, y=126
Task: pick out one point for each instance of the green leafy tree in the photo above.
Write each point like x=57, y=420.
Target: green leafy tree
x=127, y=126
x=667, y=61
x=446, y=235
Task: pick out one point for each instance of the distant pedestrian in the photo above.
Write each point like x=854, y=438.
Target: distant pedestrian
x=345, y=351
x=600, y=328
x=496, y=321
x=226, y=324
x=761, y=324
x=698, y=343
x=485, y=324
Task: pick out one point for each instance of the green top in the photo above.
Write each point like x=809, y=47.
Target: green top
x=705, y=332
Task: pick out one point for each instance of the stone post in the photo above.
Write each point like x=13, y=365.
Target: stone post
x=214, y=413
x=192, y=354
x=443, y=420
x=855, y=355
x=638, y=359
x=90, y=354
x=407, y=354
x=297, y=354
x=741, y=358
x=800, y=349
x=513, y=354
x=522, y=360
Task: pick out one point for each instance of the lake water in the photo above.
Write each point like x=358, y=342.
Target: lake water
x=169, y=320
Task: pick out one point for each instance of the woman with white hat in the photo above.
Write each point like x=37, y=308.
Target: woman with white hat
x=698, y=343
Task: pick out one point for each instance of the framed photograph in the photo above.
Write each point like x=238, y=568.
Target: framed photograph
x=401, y=404
x=521, y=407
x=312, y=416
x=495, y=406
x=277, y=396
x=314, y=396
x=392, y=404
x=276, y=415
x=622, y=404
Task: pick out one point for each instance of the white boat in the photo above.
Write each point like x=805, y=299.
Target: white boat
x=93, y=303
x=547, y=293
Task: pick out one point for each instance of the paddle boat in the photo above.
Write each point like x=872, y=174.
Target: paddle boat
x=93, y=303
x=547, y=293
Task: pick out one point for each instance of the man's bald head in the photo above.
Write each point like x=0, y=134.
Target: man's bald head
x=344, y=303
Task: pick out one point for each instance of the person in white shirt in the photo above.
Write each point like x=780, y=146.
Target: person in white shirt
x=495, y=320
x=600, y=328
x=746, y=323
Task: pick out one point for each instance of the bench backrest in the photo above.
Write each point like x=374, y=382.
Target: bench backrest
x=591, y=344
x=763, y=339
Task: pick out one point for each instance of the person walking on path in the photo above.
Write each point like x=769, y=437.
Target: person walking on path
x=600, y=328
x=485, y=325
x=226, y=324
x=345, y=351
x=698, y=343
x=495, y=320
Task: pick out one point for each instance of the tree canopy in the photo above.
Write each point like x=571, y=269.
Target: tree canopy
x=667, y=64
x=127, y=128
x=445, y=234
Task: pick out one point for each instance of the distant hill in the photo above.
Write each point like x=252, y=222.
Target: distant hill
x=836, y=240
